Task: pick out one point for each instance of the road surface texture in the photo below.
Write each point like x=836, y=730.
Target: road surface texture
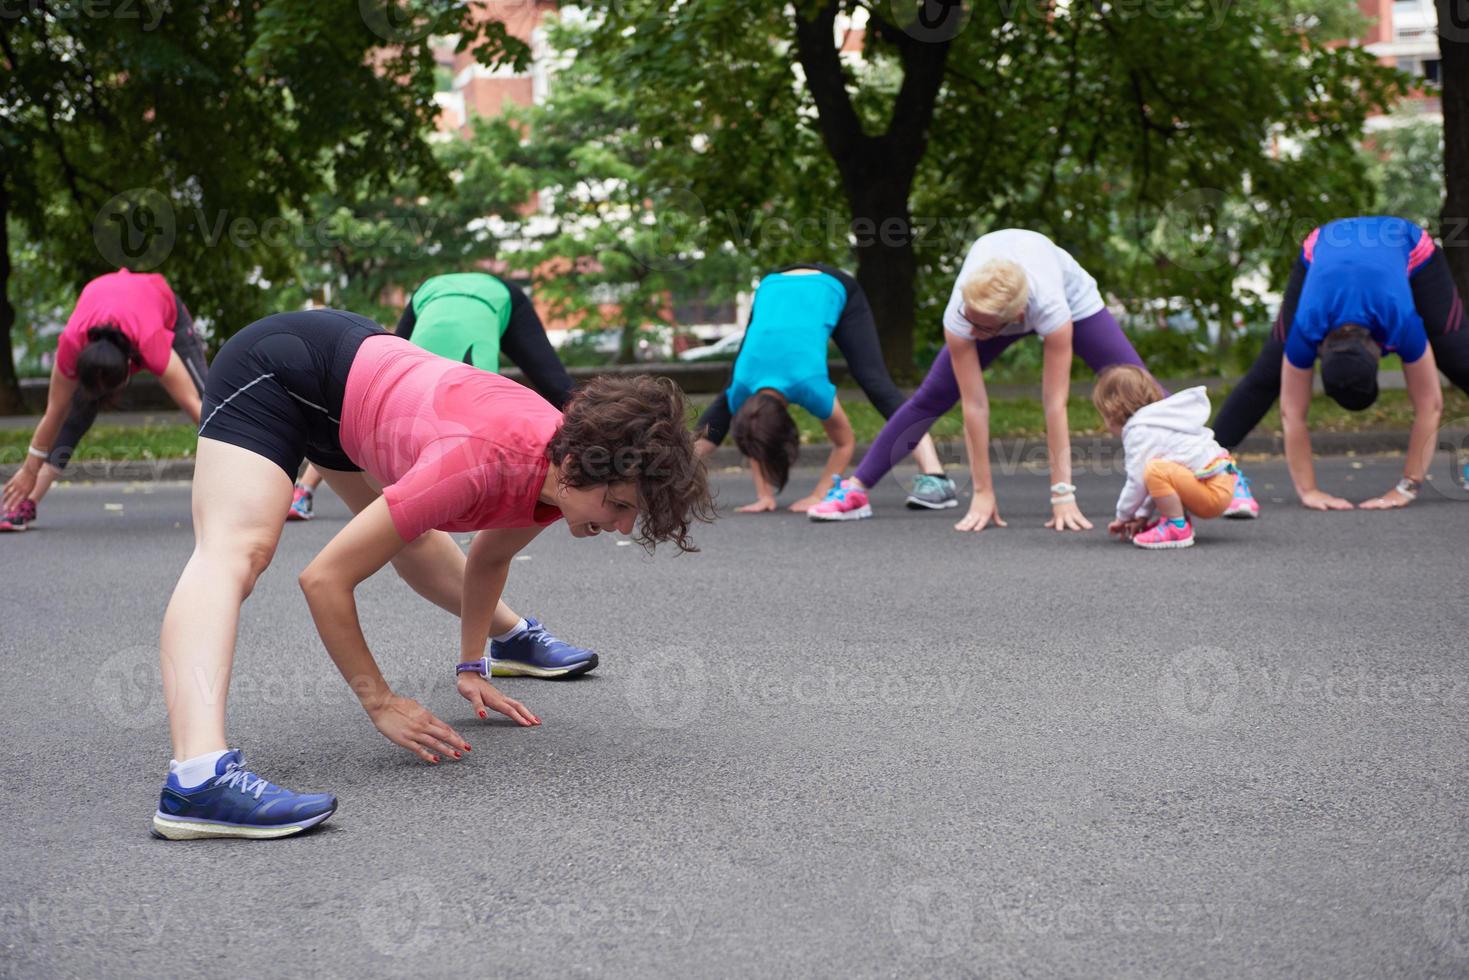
x=878, y=749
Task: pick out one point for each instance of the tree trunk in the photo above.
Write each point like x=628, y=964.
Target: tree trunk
x=627, y=344
x=877, y=170
x=1453, y=43
x=10, y=401
x=887, y=268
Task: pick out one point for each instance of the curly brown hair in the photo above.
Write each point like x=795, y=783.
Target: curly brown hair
x=633, y=429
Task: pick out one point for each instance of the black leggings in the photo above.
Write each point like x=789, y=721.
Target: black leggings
x=1437, y=302
x=278, y=385
x=83, y=412
x=524, y=342
x=855, y=336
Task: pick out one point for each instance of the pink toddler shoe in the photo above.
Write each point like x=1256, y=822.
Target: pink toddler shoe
x=1166, y=534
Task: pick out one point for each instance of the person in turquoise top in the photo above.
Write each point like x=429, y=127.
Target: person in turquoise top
x=782, y=362
x=473, y=317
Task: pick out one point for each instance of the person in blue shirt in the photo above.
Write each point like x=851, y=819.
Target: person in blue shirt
x=1361, y=288
x=782, y=362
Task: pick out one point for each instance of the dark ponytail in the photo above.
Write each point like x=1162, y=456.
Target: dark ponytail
x=106, y=361
x=765, y=432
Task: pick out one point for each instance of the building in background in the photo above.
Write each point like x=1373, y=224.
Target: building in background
x=1404, y=33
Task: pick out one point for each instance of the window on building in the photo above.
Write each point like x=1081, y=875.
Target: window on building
x=1433, y=70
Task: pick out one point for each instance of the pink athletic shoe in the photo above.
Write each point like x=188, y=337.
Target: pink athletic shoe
x=845, y=501
x=300, y=505
x=23, y=516
x=1165, y=534
x=1244, y=506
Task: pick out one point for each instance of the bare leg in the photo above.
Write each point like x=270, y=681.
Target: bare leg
x=311, y=479
x=433, y=566
x=926, y=455
x=1170, y=506
x=240, y=503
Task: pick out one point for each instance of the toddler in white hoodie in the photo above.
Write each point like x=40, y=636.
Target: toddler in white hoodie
x=1174, y=466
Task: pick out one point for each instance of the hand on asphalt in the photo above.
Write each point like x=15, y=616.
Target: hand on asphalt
x=1388, y=501
x=1320, y=500
x=17, y=488
x=407, y=723
x=482, y=695
x=983, y=508
x=1068, y=517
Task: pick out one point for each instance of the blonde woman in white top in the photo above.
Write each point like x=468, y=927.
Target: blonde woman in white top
x=1014, y=283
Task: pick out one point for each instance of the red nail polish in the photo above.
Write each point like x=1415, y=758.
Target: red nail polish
x=456, y=755
x=466, y=748
x=483, y=715
x=433, y=758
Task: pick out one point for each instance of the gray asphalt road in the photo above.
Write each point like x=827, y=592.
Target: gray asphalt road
x=867, y=750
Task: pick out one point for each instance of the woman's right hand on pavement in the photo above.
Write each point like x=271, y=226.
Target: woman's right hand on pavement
x=407, y=723
x=1321, y=500
x=758, y=507
x=982, y=510
x=18, y=487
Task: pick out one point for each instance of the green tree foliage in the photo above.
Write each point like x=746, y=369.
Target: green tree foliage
x=180, y=137
x=1405, y=163
x=358, y=242
x=1172, y=147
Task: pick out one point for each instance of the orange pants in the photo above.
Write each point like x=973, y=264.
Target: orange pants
x=1202, y=498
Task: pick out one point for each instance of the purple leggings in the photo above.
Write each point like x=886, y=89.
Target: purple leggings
x=1097, y=340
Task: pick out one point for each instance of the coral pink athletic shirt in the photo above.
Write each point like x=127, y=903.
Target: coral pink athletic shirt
x=455, y=448
x=139, y=304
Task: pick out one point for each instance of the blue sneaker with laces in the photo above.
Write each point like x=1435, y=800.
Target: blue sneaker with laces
x=536, y=653
x=931, y=492
x=236, y=803
x=1242, y=506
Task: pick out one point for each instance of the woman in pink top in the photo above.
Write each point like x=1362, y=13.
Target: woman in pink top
x=124, y=322
x=417, y=445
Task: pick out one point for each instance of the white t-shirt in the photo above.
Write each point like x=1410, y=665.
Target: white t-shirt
x=1061, y=291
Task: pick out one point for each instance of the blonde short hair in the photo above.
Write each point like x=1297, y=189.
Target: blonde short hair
x=997, y=288
x=1121, y=390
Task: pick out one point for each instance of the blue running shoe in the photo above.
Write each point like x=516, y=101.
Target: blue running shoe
x=236, y=803
x=536, y=653
x=1242, y=506
x=932, y=492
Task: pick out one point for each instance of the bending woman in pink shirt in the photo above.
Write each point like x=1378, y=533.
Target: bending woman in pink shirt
x=417, y=446
x=123, y=323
